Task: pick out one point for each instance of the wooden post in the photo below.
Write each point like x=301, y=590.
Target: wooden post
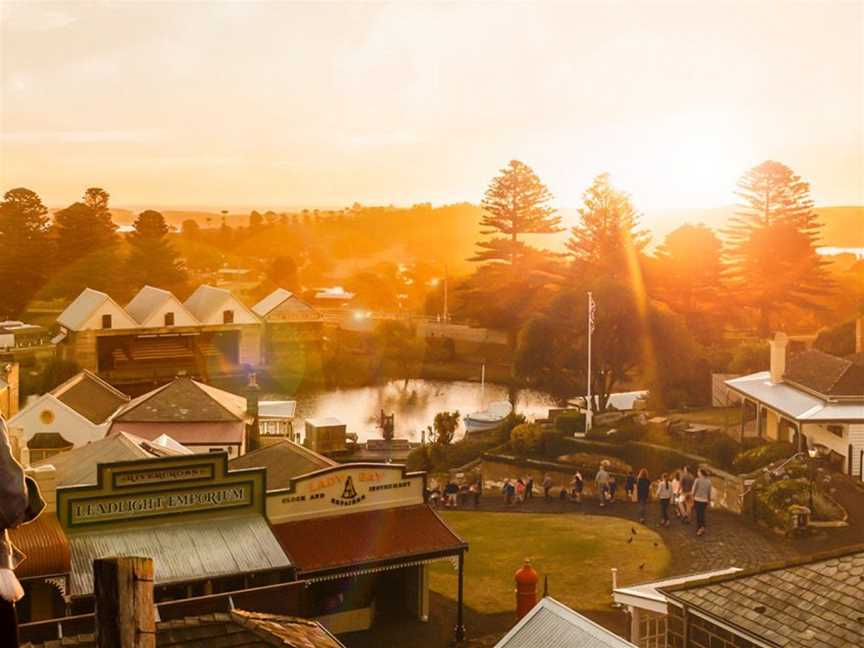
x=125, y=613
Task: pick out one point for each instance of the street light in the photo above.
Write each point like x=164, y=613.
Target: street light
x=812, y=452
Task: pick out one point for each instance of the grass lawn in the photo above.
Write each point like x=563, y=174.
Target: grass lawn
x=576, y=552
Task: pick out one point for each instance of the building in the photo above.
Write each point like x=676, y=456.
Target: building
x=550, y=623
x=292, y=328
x=71, y=415
x=646, y=607
x=198, y=416
x=284, y=460
x=361, y=536
x=811, y=399
x=276, y=420
x=326, y=435
x=15, y=335
x=210, y=334
x=812, y=603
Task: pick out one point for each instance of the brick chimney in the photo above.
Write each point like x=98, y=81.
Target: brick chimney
x=253, y=429
x=778, y=357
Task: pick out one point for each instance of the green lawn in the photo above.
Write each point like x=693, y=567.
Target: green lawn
x=576, y=552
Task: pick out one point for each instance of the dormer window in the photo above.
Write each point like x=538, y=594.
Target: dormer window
x=169, y=319
x=228, y=317
x=106, y=321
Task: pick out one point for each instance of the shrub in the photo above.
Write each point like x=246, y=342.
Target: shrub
x=528, y=438
x=761, y=456
x=570, y=423
x=588, y=464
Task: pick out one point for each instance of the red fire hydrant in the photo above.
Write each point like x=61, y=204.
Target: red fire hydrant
x=526, y=589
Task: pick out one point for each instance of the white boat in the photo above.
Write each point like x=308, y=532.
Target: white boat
x=488, y=419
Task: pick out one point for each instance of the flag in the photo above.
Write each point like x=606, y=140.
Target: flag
x=592, y=313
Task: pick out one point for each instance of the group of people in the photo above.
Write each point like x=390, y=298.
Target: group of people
x=519, y=491
x=682, y=494
x=455, y=494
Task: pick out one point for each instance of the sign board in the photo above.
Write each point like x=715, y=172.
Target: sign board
x=129, y=492
x=348, y=488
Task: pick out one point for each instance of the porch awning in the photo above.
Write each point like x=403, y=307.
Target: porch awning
x=363, y=541
x=181, y=552
x=793, y=402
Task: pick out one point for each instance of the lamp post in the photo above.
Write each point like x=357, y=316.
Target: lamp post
x=812, y=452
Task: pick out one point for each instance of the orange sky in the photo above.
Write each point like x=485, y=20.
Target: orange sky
x=285, y=104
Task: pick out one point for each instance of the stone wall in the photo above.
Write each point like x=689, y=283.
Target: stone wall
x=700, y=633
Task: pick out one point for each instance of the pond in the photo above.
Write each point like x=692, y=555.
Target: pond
x=413, y=402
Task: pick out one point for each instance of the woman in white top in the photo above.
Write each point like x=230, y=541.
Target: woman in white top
x=664, y=494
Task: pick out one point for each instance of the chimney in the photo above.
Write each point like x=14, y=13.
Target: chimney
x=859, y=334
x=253, y=429
x=125, y=613
x=12, y=377
x=778, y=357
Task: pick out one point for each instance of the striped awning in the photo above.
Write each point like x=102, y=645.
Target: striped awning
x=181, y=552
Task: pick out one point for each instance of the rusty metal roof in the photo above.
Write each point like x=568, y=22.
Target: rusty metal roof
x=44, y=544
x=181, y=551
x=356, y=539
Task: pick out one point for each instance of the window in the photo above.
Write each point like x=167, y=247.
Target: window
x=106, y=321
x=169, y=319
x=836, y=430
x=228, y=317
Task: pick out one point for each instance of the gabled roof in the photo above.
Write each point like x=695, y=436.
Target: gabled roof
x=79, y=466
x=826, y=374
x=148, y=300
x=806, y=603
x=283, y=461
x=550, y=623
x=281, y=297
x=184, y=400
x=90, y=396
x=83, y=307
x=206, y=301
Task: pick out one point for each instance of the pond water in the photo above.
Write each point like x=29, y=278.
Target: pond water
x=414, y=404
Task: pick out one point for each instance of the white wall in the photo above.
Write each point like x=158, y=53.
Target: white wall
x=67, y=422
x=119, y=318
x=181, y=315
x=856, y=438
x=820, y=434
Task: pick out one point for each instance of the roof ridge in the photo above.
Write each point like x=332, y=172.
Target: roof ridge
x=210, y=396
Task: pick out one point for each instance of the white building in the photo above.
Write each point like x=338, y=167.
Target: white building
x=811, y=399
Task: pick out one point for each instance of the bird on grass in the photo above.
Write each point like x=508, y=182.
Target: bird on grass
x=633, y=530
x=642, y=566
x=630, y=539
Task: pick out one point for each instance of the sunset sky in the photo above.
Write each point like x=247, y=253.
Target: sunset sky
x=278, y=104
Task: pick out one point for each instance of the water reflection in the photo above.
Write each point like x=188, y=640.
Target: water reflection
x=414, y=402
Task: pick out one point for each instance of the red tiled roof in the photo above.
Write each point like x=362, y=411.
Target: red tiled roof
x=44, y=544
x=367, y=537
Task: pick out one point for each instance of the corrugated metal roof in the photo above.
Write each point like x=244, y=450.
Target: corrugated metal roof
x=283, y=461
x=183, y=551
x=82, y=307
x=79, y=466
x=271, y=301
x=44, y=544
x=793, y=402
x=277, y=409
x=205, y=300
x=550, y=623
x=145, y=301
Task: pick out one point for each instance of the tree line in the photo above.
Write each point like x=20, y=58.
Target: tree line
x=659, y=316
x=79, y=247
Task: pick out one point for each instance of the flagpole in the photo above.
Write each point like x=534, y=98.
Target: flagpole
x=589, y=402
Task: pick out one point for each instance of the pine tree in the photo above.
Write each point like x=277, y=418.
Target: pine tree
x=772, y=244
x=152, y=259
x=607, y=241
x=516, y=203
x=25, y=245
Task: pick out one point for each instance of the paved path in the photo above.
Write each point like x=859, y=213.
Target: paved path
x=731, y=540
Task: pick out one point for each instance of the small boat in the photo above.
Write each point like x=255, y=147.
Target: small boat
x=488, y=419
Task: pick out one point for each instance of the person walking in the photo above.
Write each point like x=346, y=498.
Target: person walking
x=601, y=482
x=476, y=489
x=508, y=491
x=676, y=494
x=630, y=485
x=547, y=486
x=664, y=494
x=643, y=492
x=529, y=488
x=520, y=491
x=612, y=487
x=685, y=505
x=701, y=499
x=578, y=487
